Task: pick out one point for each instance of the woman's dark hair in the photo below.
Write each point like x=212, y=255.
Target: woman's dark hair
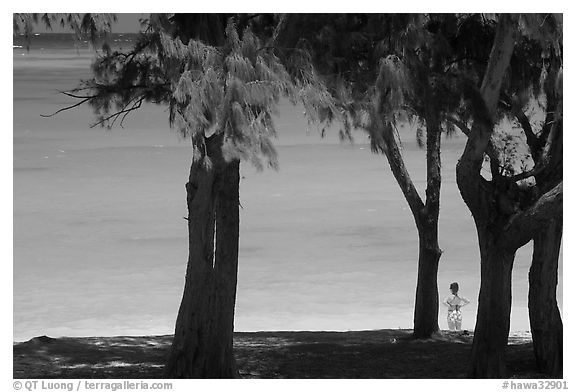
x=454, y=287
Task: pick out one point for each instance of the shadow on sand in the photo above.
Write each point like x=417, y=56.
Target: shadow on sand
x=355, y=354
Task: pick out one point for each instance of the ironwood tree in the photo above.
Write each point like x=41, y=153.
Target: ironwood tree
x=491, y=67
x=531, y=88
x=507, y=214
x=389, y=69
x=222, y=81
x=536, y=80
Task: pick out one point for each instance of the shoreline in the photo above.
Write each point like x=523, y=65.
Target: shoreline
x=512, y=334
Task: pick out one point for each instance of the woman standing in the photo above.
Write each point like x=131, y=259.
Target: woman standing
x=454, y=302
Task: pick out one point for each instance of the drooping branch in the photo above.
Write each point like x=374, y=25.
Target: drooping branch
x=124, y=112
x=83, y=100
x=135, y=105
x=107, y=92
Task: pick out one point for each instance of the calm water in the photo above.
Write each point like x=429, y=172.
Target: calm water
x=327, y=242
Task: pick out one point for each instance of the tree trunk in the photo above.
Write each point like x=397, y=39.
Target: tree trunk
x=545, y=321
x=494, y=305
x=203, y=338
x=426, y=305
x=425, y=214
x=426, y=218
x=496, y=260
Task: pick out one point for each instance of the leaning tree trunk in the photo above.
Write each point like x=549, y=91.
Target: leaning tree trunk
x=494, y=305
x=203, y=339
x=545, y=321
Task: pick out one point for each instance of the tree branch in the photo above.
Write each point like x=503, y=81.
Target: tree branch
x=551, y=138
x=530, y=173
x=531, y=138
x=524, y=225
x=470, y=164
x=498, y=62
x=394, y=156
x=490, y=150
x=117, y=114
x=86, y=99
x=433, y=164
x=544, y=154
x=460, y=124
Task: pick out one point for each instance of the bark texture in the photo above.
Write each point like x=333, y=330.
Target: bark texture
x=486, y=202
x=426, y=304
x=545, y=320
x=203, y=345
x=426, y=218
x=494, y=305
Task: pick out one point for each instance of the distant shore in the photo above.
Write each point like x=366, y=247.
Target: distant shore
x=386, y=353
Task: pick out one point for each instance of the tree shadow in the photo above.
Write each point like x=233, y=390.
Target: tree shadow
x=378, y=354
x=92, y=357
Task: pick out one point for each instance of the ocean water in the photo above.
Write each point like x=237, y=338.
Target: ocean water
x=327, y=241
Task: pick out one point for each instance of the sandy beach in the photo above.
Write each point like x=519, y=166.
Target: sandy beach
x=382, y=354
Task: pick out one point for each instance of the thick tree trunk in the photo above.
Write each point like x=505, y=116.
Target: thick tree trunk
x=500, y=234
x=203, y=339
x=494, y=305
x=496, y=260
x=545, y=320
x=426, y=305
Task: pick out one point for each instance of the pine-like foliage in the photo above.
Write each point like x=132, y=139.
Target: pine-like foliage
x=232, y=90
x=397, y=67
x=414, y=67
x=230, y=83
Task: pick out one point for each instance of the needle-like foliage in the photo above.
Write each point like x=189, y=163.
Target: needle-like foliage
x=231, y=87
